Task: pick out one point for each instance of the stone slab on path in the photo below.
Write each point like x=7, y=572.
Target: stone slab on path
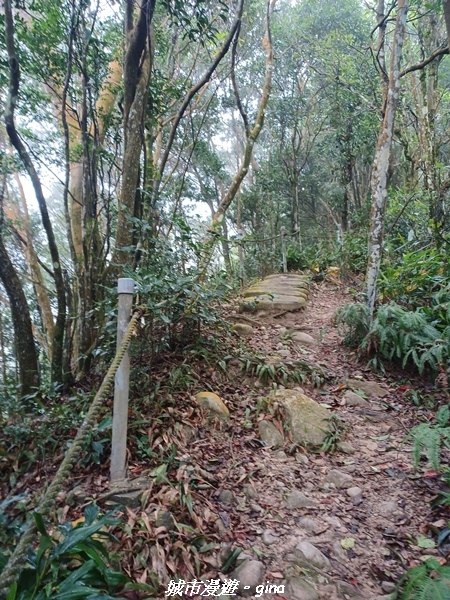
x=285, y=291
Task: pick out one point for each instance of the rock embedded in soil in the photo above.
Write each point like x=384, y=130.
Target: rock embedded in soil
x=352, y=399
x=213, y=405
x=346, y=448
x=268, y=537
x=309, y=525
x=307, y=420
x=347, y=590
x=339, y=479
x=303, y=338
x=270, y=435
x=297, y=588
x=249, y=573
x=354, y=492
x=242, y=330
x=297, y=499
x=372, y=389
x=386, y=509
x=226, y=497
x=306, y=554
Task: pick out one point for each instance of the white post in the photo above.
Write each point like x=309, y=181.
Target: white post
x=283, y=249
x=125, y=289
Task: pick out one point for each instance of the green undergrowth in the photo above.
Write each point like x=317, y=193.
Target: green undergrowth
x=71, y=562
x=417, y=338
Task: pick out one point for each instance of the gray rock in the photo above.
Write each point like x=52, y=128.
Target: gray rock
x=309, y=555
x=301, y=458
x=339, y=479
x=307, y=420
x=347, y=590
x=297, y=499
x=303, y=338
x=387, y=509
x=308, y=524
x=280, y=455
x=353, y=492
x=270, y=434
x=250, y=491
x=352, y=399
x=249, y=573
x=226, y=497
x=388, y=587
x=346, y=448
x=298, y=588
x=370, y=388
x=339, y=552
x=268, y=537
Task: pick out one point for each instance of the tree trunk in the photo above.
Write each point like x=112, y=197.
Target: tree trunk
x=26, y=354
x=382, y=156
x=14, y=79
x=136, y=78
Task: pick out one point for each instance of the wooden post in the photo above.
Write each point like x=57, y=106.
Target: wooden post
x=283, y=249
x=125, y=290
x=240, y=237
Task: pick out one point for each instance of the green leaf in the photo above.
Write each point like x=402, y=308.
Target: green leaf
x=425, y=542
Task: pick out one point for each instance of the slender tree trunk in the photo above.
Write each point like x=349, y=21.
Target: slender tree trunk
x=14, y=79
x=136, y=78
x=26, y=354
x=382, y=157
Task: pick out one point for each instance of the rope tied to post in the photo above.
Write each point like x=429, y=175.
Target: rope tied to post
x=46, y=503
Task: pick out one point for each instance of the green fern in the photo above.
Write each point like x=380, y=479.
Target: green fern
x=353, y=321
x=429, y=581
x=430, y=438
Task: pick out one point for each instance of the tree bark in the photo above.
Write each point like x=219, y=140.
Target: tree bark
x=136, y=78
x=26, y=354
x=382, y=157
x=14, y=79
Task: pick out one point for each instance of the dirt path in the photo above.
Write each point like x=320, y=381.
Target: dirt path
x=327, y=526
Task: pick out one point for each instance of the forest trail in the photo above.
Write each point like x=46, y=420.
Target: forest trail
x=328, y=526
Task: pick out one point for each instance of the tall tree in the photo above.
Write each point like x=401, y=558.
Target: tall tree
x=379, y=181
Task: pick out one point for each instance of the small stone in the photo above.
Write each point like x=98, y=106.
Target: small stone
x=387, y=509
x=303, y=338
x=347, y=590
x=339, y=553
x=301, y=458
x=297, y=499
x=226, y=497
x=388, y=587
x=353, y=492
x=308, y=524
x=213, y=404
x=280, y=455
x=242, y=330
x=268, y=537
x=370, y=388
x=164, y=519
x=269, y=434
x=249, y=573
x=352, y=399
x=298, y=588
x=250, y=491
x=310, y=555
x=346, y=448
x=284, y=353
x=339, y=479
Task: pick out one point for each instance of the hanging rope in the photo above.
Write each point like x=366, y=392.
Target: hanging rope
x=19, y=557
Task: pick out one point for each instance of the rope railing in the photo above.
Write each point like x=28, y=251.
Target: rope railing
x=19, y=557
